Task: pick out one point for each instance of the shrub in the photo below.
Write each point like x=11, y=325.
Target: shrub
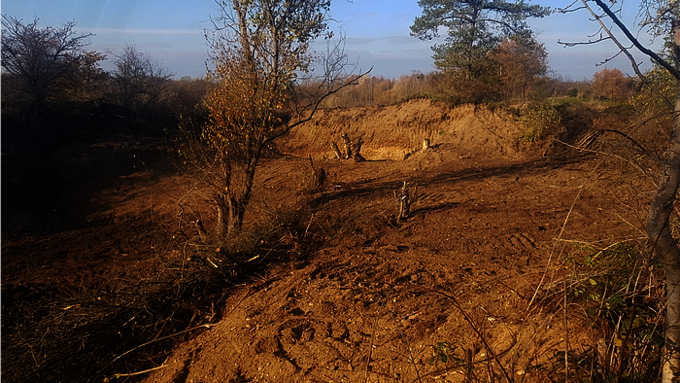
x=620, y=298
x=540, y=119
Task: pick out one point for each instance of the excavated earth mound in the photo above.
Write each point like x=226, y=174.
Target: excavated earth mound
x=388, y=300
x=393, y=132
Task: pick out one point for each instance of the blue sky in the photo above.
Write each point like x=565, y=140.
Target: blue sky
x=170, y=31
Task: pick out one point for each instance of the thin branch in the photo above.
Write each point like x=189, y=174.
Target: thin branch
x=370, y=349
x=608, y=59
x=569, y=8
x=479, y=333
x=637, y=44
x=160, y=339
x=142, y=372
x=635, y=41
x=589, y=42
x=314, y=107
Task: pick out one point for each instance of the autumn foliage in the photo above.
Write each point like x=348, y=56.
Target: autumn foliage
x=259, y=50
x=243, y=109
x=522, y=65
x=610, y=83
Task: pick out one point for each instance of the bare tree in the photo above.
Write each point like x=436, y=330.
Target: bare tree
x=661, y=17
x=138, y=79
x=43, y=58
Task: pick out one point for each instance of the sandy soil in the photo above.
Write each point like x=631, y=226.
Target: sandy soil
x=491, y=227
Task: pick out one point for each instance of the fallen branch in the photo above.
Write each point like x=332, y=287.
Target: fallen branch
x=139, y=372
x=160, y=339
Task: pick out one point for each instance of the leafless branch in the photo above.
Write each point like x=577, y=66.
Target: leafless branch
x=670, y=68
x=624, y=50
x=569, y=8
x=608, y=59
x=589, y=42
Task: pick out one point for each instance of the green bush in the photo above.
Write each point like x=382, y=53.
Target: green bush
x=539, y=119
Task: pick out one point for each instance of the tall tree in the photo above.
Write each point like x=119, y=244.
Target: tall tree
x=474, y=27
x=44, y=59
x=522, y=63
x=662, y=18
x=259, y=50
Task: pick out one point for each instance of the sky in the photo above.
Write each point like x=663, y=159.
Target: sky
x=377, y=32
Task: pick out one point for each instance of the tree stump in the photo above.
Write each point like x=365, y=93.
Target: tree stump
x=318, y=174
x=426, y=144
x=357, y=150
x=347, y=146
x=405, y=198
x=336, y=150
x=201, y=230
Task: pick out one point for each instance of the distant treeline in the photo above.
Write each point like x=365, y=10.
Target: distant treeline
x=50, y=80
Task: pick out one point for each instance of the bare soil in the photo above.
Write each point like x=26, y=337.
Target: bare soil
x=487, y=238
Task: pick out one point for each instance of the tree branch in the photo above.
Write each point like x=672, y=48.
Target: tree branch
x=623, y=49
x=670, y=68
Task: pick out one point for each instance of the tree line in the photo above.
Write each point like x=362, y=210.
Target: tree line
x=46, y=69
x=261, y=83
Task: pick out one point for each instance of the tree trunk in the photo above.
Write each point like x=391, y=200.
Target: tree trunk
x=348, y=146
x=658, y=228
x=230, y=212
x=222, y=224
x=236, y=212
x=234, y=208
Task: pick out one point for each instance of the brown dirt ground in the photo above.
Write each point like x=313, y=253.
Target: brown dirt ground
x=488, y=230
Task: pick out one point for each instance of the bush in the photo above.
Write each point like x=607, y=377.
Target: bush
x=540, y=120
x=620, y=298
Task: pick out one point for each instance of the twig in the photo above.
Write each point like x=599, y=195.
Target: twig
x=162, y=338
x=635, y=165
x=308, y=225
x=552, y=252
x=566, y=334
x=477, y=331
x=410, y=353
x=629, y=224
x=142, y=372
x=564, y=224
x=370, y=349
